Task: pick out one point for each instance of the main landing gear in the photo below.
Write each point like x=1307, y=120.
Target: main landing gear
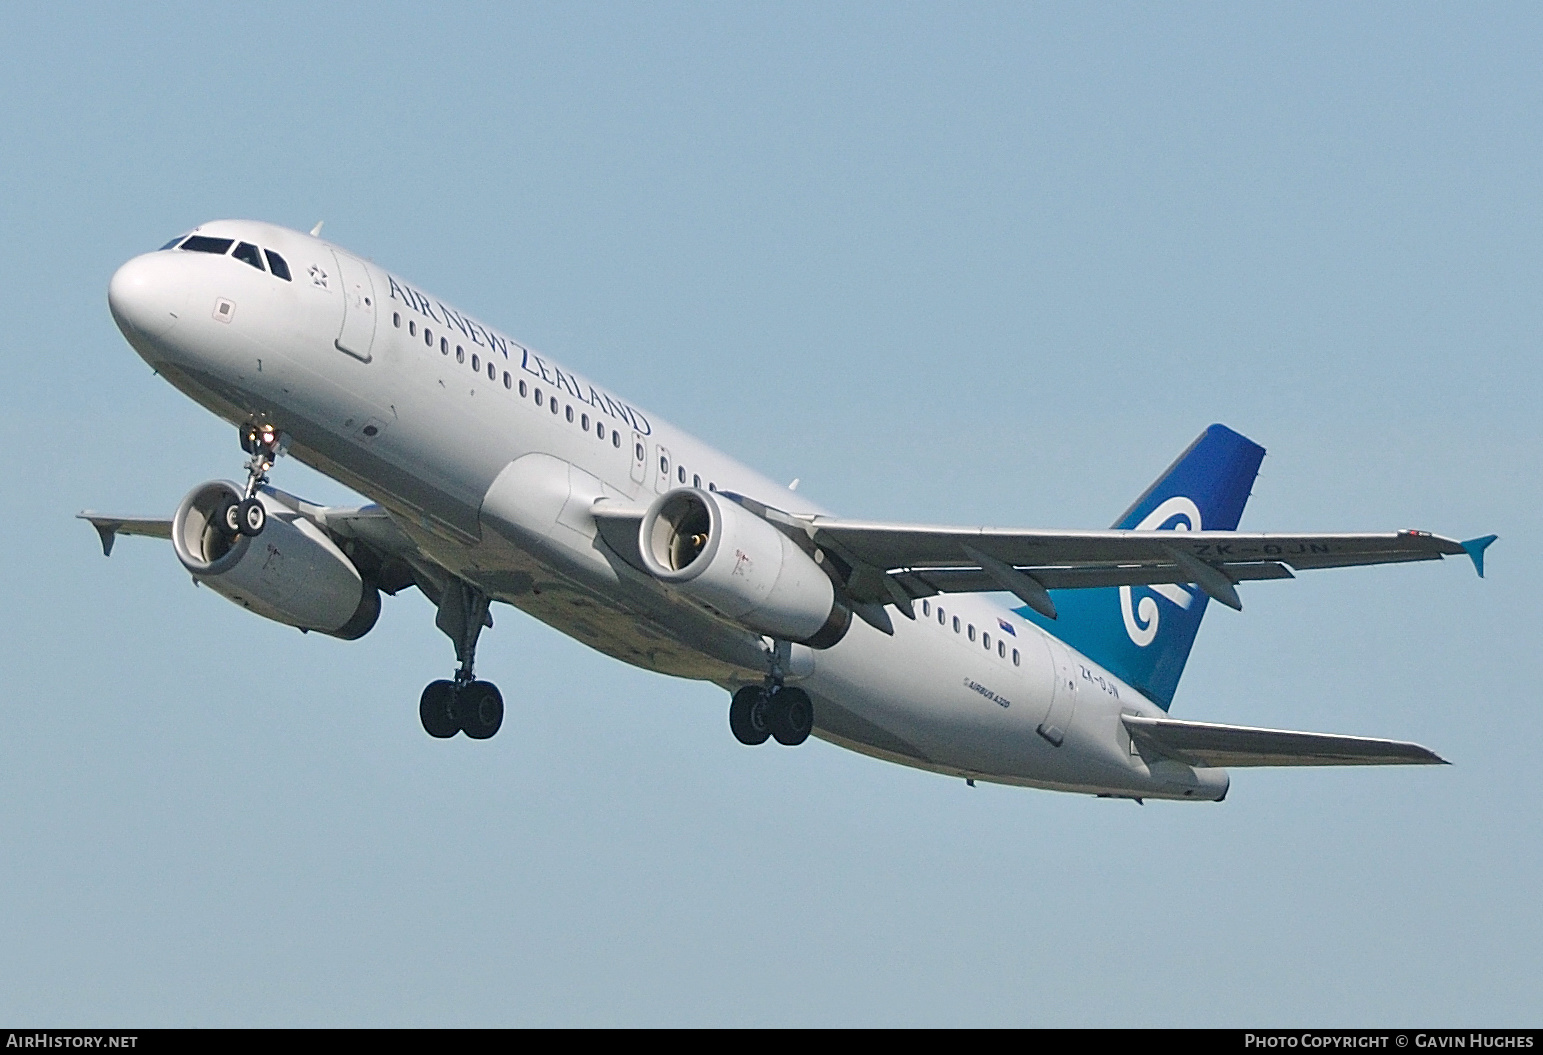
x=464, y=705
x=246, y=515
x=785, y=714
x=781, y=712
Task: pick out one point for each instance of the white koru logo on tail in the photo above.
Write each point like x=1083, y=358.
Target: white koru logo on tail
x=1141, y=619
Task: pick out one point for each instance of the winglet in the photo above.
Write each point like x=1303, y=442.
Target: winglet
x=1475, y=548
x=107, y=529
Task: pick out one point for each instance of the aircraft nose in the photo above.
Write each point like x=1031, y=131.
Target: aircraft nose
x=147, y=295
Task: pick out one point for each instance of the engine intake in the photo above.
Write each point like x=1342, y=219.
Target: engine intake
x=292, y=573
x=721, y=555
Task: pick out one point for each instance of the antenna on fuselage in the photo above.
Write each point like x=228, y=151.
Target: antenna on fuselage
x=316, y=231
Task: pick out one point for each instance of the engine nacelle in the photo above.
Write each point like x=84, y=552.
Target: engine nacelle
x=722, y=555
x=292, y=573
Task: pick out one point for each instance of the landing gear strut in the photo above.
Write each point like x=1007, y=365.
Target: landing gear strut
x=782, y=712
x=463, y=705
x=246, y=515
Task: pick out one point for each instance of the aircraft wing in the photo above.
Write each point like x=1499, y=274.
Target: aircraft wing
x=1205, y=744
x=110, y=527
x=392, y=559
x=918, y=561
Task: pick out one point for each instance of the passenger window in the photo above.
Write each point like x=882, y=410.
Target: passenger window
x=201, y=244
x=970, y=632
x=926, y=608
x=987, y=640
x=696, y=481
x=712, y=486
x=584, y=422
x=412, y=328
x=247, y=253
x=940, y=615
x=276, y=264
x=444, y=346
x=615, y=439
x=493, y=373
x=475, y=365
x=664, y=464
x=568, y=413
x=680, y=473
x=522, y=389
x=1002, y=649
x=538, y=395
x=600, y=429
x=508, y=381
x=553, y=404
x=956, y=624
x=460, y=354
x=1015, y=657
x=428, y=337
x=396, y=319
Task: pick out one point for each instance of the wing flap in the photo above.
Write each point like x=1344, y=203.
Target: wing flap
x=923, y=582
x=1206, y=744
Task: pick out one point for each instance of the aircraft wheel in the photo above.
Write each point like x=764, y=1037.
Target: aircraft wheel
x=480, y=709
x=791, y=716
x=228, y=516
x=436, y=709
x=252, y=517
x=747, y=716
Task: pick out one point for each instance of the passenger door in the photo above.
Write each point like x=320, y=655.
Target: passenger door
x=358, y=333
x=1063, y=701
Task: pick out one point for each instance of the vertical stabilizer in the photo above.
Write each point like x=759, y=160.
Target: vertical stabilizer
x=1143, y=634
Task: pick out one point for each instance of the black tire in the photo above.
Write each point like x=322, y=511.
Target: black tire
x=479, y=707
x=791, y=716
x=228, y=516
x=252, y=516
x=747, y=716
x=436, y=710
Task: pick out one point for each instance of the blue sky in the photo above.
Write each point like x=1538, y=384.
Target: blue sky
x=989, y=264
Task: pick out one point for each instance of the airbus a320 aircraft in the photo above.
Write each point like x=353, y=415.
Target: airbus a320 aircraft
x=497, y=474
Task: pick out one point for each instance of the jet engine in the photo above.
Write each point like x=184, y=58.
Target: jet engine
x=720, y=554
x=291, y=573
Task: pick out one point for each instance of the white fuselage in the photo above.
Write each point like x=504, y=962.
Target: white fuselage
x=492, y=474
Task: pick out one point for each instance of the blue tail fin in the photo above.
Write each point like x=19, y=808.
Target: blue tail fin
x=1143, y=634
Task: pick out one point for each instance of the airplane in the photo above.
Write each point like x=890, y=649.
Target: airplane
x=496, y=474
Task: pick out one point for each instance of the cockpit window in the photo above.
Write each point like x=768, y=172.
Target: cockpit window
x=171, y=243
x=202, y=244
x=247, y=253
x=276, y=264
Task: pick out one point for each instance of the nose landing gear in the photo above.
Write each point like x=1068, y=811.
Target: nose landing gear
x=464, y=705
x=247, y=515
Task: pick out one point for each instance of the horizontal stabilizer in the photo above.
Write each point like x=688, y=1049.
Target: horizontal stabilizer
x=1205, y=744
x=111, y=527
